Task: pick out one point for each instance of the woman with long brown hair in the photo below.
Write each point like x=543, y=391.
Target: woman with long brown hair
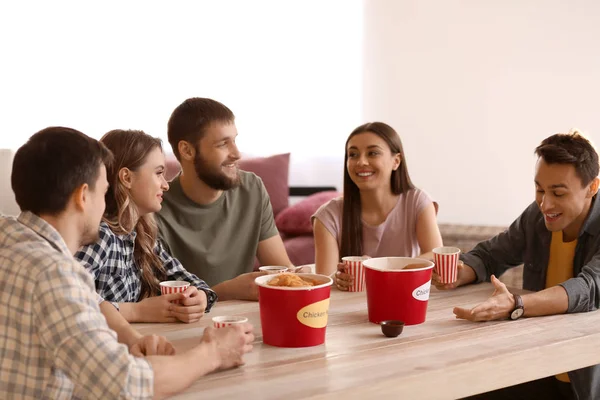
x=128, y=261
x=381, y=213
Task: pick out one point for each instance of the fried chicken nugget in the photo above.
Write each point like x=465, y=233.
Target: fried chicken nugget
x=290, y=280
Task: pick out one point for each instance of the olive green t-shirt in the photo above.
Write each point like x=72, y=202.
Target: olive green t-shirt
x=218, y=241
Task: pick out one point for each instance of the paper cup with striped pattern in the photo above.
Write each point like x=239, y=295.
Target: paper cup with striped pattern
x=355, y=268
x=168, y=287
x=272, y=269
x=446, y=263
x=226, y=320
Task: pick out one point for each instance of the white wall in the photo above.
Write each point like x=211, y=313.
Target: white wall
x=471, y=86
x=474, y=86
x=8, y=205
x=290, y=71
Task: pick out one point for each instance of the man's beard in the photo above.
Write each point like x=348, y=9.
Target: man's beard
x=214, y=177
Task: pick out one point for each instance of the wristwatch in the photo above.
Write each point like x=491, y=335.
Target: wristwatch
x=519, y=309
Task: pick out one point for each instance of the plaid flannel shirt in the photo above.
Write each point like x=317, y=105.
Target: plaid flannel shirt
x=111, y=262
x=54, y=340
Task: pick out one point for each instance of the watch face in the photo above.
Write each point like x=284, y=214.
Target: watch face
x=517, y=313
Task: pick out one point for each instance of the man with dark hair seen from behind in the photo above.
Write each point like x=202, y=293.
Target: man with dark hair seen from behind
x=216, y=219
x=57, y=337
x=557, y=238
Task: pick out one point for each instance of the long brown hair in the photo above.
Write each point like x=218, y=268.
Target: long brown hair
x=130, y=149
x=400, y=182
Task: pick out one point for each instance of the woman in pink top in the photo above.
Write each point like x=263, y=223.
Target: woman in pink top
x=381, y=214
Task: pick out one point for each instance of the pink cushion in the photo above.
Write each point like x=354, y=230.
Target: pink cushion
x=300, y=249
x=295, y=220
x=274, y=172
x=172, y=166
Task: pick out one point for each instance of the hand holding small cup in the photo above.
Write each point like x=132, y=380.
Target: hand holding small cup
x=192, y=307
x=168, y=287
x=343, y=280
x=156, y=308
x=231, y=343
x=356, y=271
x=436, y=280
x=151, y=345
x=447, y=265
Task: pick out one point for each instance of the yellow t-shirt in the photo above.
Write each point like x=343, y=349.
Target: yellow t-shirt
x=560, y=269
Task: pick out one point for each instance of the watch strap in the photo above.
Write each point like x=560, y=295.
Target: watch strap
x=518, y=306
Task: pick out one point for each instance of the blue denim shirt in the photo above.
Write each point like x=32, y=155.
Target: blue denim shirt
x=527, y=241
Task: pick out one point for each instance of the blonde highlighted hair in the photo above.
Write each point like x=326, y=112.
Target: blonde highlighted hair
x=130, y=149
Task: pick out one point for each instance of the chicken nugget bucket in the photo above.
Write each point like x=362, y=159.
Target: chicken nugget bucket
x=397, y=288
x=294, y=316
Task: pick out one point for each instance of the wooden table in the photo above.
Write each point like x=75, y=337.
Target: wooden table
x=443, y=358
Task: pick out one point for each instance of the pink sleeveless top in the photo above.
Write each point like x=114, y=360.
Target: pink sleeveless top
x=395, y=237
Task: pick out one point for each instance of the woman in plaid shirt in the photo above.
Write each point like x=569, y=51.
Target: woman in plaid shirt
x=128, y=261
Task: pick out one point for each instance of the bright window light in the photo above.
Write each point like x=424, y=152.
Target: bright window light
x=291, y=71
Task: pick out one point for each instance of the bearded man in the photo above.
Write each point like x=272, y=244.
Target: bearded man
x=215, y=218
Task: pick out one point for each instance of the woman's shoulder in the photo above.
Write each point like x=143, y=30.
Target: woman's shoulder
x=334, y=205
x=107, y=236
x=415, y=194
x=93, y=252
x=105, y=231
x=415, y=198
x=104, y=228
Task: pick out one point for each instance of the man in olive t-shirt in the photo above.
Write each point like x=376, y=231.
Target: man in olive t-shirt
x=218, y=241
x=215, y=219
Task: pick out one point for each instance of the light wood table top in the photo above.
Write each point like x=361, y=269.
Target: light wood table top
x=443, y=358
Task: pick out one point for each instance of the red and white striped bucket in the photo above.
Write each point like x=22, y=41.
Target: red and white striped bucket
x=355, y=268
x=446, y=263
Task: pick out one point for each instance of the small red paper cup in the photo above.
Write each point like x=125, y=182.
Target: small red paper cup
x=355, y=268
x=446, y=263
x=168, y=287
x=226, y=320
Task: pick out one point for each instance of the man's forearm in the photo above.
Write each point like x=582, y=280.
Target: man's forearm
x=223, y=291
x=241, y=287
x=549, y=301
x=466, y=275
x=126, y=334
x=172, y=374
x=129, y=312
x=426, y=256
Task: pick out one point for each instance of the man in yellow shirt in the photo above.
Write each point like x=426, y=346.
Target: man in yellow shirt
x=557, y=238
